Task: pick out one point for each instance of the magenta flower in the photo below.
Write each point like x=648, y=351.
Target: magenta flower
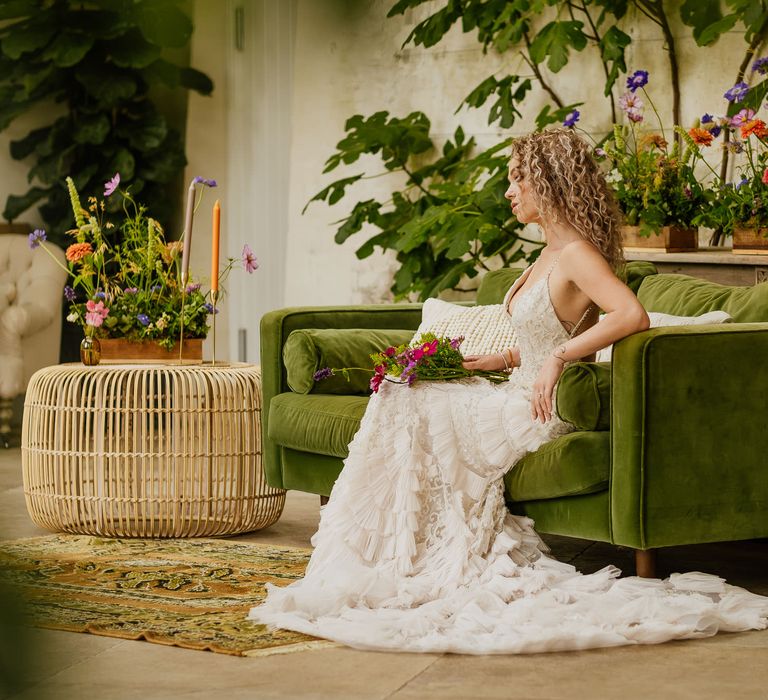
x=95, y=313
x=390, y=351
x=417, y=354
x=131, y=290
x=737, y=93
x=36, y=238
x=111, y=185
x=250, y=262
x=375, y=383
x=430, y=348
x=455, y=342
x=572, y=118
x=637, y=80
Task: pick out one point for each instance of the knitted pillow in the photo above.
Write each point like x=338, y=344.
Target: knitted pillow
x=486, y=328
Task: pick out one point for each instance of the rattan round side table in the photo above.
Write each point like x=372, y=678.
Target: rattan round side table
x=146, y=450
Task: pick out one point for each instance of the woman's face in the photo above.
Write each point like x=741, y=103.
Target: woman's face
x=520, y=195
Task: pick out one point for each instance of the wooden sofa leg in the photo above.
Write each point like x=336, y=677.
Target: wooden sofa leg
x=323, y=500
x=645, y=563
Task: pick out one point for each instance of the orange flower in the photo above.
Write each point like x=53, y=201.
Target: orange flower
x=650, y=140
x=77, y=251
x=701, y=137
x=756, y=127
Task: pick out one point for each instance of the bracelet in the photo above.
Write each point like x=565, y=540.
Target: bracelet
x=506, y=364
x=561, y=350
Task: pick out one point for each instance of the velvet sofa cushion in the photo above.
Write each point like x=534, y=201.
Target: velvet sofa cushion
x=320, y=423
x=571, y=465
x=687, y=296
x=311, y=349
x=576, y=463
x=584, y=395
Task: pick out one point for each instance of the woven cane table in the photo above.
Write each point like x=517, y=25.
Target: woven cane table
x=146, y=450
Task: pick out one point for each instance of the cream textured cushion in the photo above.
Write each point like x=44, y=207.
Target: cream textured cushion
x=486, y=328
x=659, y=320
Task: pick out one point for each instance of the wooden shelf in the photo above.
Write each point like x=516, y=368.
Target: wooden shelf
x=714, y=264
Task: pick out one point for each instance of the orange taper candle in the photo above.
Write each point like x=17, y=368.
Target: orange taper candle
x=215, y=247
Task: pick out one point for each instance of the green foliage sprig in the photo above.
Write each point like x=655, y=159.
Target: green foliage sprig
x=99, y=60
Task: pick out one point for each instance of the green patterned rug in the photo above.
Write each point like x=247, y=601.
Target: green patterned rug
x=187, y=593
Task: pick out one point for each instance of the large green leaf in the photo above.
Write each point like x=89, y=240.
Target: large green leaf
x=91, y=129
x=27, y=36
x=15, y=205
x=554, y=41
x=69, y=48
x=131, y=50
x=21, y=148
x=161, y=71
x=106, y=84
x=195, y=80
x=124, y=163
x=145, y=133
x=11, y=9
x=612, y=45
x=162, y=23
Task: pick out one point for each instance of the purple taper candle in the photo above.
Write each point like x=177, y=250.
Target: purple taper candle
x=187, y=234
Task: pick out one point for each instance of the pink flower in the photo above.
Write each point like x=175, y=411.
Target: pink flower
x=630, y=102
x=742, y=117
x=95, y=313
x=431, y=348
x=376, y=381
x=390, y=351
x=765, y=176
x=111, y=185
x=417, y=354
x=250, y=263
x=634, y=115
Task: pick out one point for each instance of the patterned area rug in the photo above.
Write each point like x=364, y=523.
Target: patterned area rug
x=187, y=593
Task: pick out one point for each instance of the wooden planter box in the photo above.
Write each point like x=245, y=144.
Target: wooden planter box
x=671, y=239
x=750, y=240
x=115, y=350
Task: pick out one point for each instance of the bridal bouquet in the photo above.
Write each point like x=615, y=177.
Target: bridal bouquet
x=429, y=358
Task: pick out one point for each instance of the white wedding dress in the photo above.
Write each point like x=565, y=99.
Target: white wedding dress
x=416, y=550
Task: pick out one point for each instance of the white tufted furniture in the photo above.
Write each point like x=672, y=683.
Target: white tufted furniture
x=31, y=285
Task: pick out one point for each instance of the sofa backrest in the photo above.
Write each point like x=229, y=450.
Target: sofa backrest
x=496, y=283
x=682, y=295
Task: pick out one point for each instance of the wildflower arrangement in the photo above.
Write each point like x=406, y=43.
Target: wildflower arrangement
x=429, y=358
x=125, y=277
x=740, y=202
x=654, y=182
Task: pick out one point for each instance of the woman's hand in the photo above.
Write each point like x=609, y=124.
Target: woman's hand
x=544, y=389
x=493, y=362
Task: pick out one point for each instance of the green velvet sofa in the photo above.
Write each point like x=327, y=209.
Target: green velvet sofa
x=672, y=439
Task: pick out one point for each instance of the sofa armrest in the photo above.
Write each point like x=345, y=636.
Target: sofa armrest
x=689, y=435
x=277, y=325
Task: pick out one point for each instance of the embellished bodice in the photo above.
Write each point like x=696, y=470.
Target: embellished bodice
x=539, y=330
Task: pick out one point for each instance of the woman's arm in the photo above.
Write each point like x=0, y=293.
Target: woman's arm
x=508, y=359
x=588, y=270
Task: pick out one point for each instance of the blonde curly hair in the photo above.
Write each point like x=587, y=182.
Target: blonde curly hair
x=568, y=185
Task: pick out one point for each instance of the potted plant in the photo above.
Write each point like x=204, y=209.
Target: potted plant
x=126, y=290
x=737, y=208
x=655, y=185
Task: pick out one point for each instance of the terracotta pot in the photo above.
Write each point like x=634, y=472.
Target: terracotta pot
x=750, y=240
x=115, y=350
x=671, y=239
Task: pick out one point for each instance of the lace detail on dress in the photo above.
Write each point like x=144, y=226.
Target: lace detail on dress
x=416, y=550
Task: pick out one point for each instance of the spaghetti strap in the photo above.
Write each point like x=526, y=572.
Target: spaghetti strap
x=572, y=334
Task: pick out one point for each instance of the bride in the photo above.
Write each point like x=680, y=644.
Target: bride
x=416, y=550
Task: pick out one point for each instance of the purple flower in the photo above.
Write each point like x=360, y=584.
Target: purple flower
x=69, y=293
x=737, y=93
x=741, y=183
x=192, y=287
x=735, y=146
x=111, y=185
x=706, y=119
x=572, y=118
x=455, y=342
x=634, y=115
x=250, y=263
x=99, y=295
x=761, y=65
x=143, y=319
x=209, y=308
x=36, y=238
x=203, y=181
x=600, y=152
x=155, y=288
x=323, y=373
x=131, y=290
x=637, y=80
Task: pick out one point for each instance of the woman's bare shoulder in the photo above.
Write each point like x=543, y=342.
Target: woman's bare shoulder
x=581, y=253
